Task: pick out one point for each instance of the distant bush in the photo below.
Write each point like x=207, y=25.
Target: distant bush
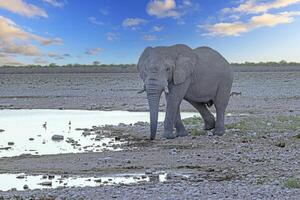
x=271, y=64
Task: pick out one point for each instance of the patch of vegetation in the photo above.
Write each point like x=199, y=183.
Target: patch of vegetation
x=278, y=124
x=297, y=136
x=197, y=132
x=271, y=64
x=292, y=183
x=192, y=120
x=260, y=181
x=280, y=144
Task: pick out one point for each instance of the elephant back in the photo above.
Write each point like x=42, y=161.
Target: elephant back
x=208, y=55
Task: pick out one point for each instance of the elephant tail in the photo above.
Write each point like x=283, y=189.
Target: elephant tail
x=210, y=103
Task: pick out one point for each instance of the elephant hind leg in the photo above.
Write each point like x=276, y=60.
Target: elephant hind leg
x=220, y=105
x=209, y=119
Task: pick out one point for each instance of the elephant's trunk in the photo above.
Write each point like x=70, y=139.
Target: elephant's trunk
x=153, y=96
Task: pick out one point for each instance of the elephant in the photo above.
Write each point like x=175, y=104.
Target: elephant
x=200, y=76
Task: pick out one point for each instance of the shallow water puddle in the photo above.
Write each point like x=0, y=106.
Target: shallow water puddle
x=18, y=181
x=30, y=131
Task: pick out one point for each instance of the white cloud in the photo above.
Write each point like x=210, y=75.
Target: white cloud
x=157, y=28
x=22, y=8
x=253, y=6
x=15, y=40
x=8, y=60
x=149, y=37
x=162, y=8
x=56, y=3
x=95, y=21
x=20, y=49
x=110, y=36
x=132, y=22
x=236, y=28
x=10, y=31
x=93, y=51
x=40, y=61
x=55, y=56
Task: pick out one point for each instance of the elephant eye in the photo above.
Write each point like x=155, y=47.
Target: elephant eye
x=168, y=69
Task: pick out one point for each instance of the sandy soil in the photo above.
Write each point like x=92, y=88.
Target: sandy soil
x=261, y=91
x=257, y=158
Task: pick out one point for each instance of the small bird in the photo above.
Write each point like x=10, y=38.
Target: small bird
x=45, y=125
x=70, y=126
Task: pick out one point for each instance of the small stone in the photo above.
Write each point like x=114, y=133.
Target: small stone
x=1, y=130
x=10, y=143
x=149, y=171
x=98, y=180
x=46, y=183
x=31, y=139
x=22, y=176
x=57, y=137
x=280, y=144
x=117, y=138
x=5, y=148
x=25, y=187
x=51, y=177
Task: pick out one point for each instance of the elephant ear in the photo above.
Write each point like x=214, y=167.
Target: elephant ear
x=183, y=68
x=143, y=62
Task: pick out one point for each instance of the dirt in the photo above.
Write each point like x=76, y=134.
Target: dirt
x=256, y=159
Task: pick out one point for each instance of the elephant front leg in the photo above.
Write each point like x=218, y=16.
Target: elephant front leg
x=174, y=98
x=171, y=112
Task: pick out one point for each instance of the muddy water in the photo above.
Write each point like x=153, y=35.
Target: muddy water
x=18, y=181
x=30, y=131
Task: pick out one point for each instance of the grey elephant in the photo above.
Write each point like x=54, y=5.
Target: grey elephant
x=200, y=76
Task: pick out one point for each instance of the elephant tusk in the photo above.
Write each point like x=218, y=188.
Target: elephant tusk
x=166, y=90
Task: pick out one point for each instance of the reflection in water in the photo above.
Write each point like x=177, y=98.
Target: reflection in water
x=18, y=181
x=31, y=130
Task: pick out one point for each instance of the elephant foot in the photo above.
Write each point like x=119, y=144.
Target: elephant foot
x=209, y=125
x=181, y=133
x=169, y=136
x=218, y=132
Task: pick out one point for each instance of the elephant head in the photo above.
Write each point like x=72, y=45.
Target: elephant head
x=160, y=67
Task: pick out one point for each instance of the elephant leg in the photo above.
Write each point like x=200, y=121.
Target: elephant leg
x=220, y=105
x=180, y=129
x=174, y=98
x=207, y=116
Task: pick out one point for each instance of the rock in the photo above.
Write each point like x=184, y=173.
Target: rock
x=10, y=143
x=25, y=187
x=149, y=171
x=280, y=144
x=31, y=139
x=57, y=137
x=98, y=138
x=5, y=148
x=98, y=180
x=86, y=133
x=1, y=130
x=46, y=183
x=51, y=177
x=22, y=176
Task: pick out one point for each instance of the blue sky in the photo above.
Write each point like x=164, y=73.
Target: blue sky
x=117, y=31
